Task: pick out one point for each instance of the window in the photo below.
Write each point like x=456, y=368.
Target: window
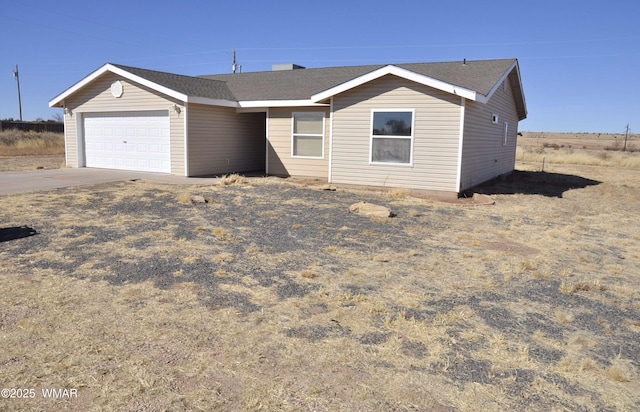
x=308, y=135
x=392, y=136
x=506, y=133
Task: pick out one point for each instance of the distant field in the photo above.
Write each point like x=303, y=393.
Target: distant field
x=593, y=149
x=587, y=141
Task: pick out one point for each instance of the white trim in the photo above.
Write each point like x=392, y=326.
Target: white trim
x=66, y=146
x=411, y=138
x=330, y=140
x=252, y=110
x=293, y=134
x=81, y=158
x=400, y=72
x=186, y=140
x=266, y=127
x=56, y=101
x=81, y=116
x=485, y=99
x=120, y=72
x=460, y=143
x=279, y=103
x=514, y=66
x=211, y=102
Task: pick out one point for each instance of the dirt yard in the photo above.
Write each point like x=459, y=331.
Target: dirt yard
x=25, y=163
x=273, y=296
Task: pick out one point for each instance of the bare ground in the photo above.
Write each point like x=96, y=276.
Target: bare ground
x=25, y=163
x=273, y=297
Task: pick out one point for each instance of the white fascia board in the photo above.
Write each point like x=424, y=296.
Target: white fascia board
x=123, y=73
x=147, y=83
x=524, y=100
x=514, y=66
x=59, y=99
x=400, y=72
x=212, y=102
x=280, y=103
x=484, y=99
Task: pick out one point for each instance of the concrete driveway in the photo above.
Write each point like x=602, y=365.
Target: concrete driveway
x=16, y=182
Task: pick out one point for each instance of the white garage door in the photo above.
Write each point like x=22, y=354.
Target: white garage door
x=129, y=141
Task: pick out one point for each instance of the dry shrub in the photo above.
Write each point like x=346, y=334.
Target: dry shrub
x=398, y=194
x=184, y=197
x=220, y=232
x=232, y=179
x=222, y=257
x=564, y=317
x=309, y=274
x=581, y=286
x=619, y=372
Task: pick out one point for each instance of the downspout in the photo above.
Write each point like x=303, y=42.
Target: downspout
x=186, y=140
x=330, y=140
x=66, y=150
x=460, y=143
x=266, y=132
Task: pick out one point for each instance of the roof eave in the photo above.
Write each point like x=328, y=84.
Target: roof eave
x=400, y=72
x=280, y=103
x=521, y=102
x=58, y=101
x=212, y=102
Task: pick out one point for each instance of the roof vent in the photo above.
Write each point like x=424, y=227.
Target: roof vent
x=288, y=66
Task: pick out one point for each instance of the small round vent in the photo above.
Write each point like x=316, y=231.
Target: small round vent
x=117, y=89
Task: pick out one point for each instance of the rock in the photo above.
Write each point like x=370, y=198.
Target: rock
x=198, y=199
x=370, y=209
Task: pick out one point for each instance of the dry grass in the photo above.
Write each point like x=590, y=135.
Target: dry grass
x=18, y=143
x=232, y=179
x=184, y=197
x=575, y=157
x=278, y=299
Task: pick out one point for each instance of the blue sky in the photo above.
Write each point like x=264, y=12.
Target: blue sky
x=579, y=60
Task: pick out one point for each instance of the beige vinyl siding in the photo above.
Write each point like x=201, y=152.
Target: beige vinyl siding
x=71, y=140
x=281, y=163
x=435, y=136
x=96, y=97
x=223, y=141
x=483, y=154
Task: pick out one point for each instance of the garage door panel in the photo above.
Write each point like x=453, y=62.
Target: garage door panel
x=128, y=141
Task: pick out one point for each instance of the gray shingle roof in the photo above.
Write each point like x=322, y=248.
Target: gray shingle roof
x=477, y=75
x=188, y=85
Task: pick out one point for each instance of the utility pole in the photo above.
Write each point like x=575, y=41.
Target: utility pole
x=16, y=75
x=626, y=136
x=233, y=65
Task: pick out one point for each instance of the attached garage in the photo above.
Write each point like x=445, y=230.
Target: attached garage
x=128, y=140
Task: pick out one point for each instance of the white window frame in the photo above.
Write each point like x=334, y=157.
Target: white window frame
x=505, y=133
x=411, y=138
x=294, y=135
